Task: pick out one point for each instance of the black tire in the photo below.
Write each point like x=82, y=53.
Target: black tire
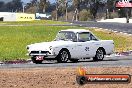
x=74, y=60
x=99, y=55
x=36, y=61
x=63, y=56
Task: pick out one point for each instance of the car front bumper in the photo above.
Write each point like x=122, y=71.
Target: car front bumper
x=46, y=55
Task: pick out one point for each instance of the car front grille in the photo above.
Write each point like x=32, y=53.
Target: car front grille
x=39, y=52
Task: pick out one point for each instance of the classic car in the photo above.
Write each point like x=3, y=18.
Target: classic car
x=71, y=44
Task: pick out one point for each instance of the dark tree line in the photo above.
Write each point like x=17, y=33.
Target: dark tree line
x=13, y=6
x=62, y=8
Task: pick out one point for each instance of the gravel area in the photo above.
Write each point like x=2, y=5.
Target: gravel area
x=56, y=77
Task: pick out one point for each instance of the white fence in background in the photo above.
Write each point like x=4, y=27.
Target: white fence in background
x=118, y=20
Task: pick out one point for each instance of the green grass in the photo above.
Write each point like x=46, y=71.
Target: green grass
x=44, y=22
x=14, y=39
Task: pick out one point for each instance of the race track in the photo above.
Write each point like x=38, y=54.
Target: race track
x=120, y=27
x=115, y=61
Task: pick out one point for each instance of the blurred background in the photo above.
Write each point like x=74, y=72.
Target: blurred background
x=66, y=10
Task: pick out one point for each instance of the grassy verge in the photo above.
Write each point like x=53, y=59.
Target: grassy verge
x=13, y=39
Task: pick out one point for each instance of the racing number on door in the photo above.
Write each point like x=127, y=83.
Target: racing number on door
x=86, y=48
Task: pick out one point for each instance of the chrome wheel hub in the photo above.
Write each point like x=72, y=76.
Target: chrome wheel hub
x=64, y=56
x=100, y=54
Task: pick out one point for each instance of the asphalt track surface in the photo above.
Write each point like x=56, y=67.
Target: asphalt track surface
x=120, y=27
x=115, y=61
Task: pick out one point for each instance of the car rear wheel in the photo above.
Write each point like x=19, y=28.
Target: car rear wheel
x=99, y=55
x=36, y=61
x=63, y=56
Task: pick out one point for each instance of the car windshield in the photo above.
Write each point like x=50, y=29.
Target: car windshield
x=66, y=36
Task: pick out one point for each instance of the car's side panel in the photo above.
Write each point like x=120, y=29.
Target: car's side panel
x=84, y=49
x=75, y=49
x=108, y=45
x=93, y=46
x=76, y=52
x=70, y=47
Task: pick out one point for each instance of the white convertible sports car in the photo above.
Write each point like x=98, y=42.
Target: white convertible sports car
x=71, y=44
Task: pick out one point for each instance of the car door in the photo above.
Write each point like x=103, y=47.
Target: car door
x=93, y=44
x=78, y=49
x=87, y=44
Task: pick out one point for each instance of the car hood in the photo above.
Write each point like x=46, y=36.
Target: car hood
x=46, y=45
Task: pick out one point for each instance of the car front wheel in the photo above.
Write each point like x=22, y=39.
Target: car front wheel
x=99, y=55
x=63, y=56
